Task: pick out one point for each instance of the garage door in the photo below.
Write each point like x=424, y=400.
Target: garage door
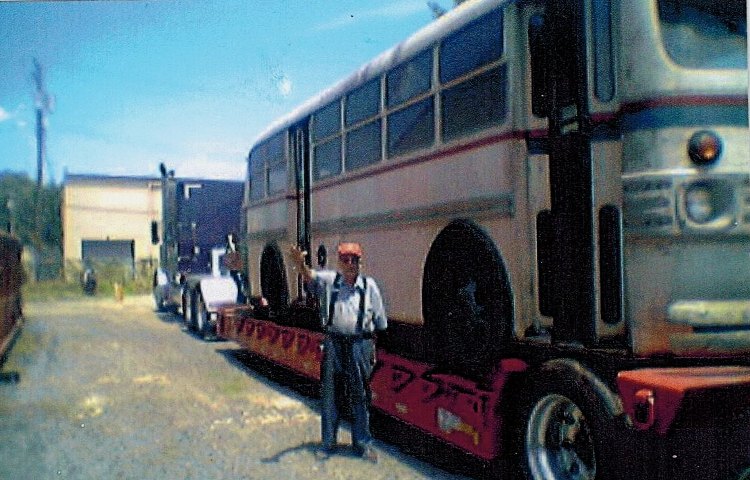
x=100, y=252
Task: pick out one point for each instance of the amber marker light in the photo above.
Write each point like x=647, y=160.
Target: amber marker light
x=704, y=148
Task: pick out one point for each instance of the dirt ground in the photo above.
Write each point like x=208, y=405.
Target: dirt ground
x=114, y=390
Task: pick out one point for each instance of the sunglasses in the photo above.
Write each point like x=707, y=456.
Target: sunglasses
x=349, y=259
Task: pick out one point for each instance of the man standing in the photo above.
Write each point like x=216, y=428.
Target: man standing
x=351, y=309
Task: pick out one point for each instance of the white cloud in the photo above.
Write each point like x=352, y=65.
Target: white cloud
x=4, y=115
x=393, y=10
x=285, y=86
x=212, y=169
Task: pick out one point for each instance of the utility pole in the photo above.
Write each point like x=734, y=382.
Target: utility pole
x=43, y=103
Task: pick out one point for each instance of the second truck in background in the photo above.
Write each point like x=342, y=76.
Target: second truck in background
x=197, y=269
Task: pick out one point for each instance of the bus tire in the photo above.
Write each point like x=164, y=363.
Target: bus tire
x=563, y=428
x=466, y=300
x=273, y=282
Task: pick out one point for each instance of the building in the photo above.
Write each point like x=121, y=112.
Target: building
x=109, y=220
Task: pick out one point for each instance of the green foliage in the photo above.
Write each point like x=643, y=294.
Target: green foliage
x=56, y=290
x=51, y=290
x=33, y=214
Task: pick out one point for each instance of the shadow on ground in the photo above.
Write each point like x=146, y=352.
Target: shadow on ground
x=395, y=435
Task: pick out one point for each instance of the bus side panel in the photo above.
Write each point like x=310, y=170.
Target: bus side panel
x=398, y=227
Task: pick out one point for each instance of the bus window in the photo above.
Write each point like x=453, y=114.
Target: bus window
x=327, y=159
x=705, y=34
x=409, y=79
x=276, y=161
x=475, y=104
x=327, y=121
x=363, y=146
x=326, y=135
x=477, y=44
x=257, y=175
x=411, y=128
x=277, y=177
x=363, y=103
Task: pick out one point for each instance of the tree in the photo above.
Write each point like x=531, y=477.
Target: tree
x=32, y=214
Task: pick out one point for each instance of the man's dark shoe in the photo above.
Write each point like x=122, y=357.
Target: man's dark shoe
x=323, y=453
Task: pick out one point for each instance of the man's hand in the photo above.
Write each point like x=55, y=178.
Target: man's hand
x=298, y=257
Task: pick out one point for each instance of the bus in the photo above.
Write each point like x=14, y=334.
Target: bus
x=554, y=197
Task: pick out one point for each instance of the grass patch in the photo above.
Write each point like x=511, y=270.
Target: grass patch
x=55, y=290
x=47, y=290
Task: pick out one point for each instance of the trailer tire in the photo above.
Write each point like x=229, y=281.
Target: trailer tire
x=562, y=428
x=203, y=323
x=160, y=306
x=188, y=310
x=466, y=300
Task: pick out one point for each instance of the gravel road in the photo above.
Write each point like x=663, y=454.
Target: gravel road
x=116, y=391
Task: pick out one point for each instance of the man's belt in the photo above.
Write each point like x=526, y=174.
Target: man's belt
x=351, y=336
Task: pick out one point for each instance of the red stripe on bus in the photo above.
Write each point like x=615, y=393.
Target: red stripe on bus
x=684, y=101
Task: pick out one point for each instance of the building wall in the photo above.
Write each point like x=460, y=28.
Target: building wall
x=109, y=208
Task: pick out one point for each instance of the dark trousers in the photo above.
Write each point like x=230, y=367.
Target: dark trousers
x=351, y=358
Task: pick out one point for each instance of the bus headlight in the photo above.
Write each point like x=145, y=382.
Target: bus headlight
x=704, y=148
x=709, y=201
x=699, y=204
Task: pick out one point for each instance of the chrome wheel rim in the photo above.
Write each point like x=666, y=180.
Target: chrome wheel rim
x=201, y=316
x=188, y=313
x=559, y=443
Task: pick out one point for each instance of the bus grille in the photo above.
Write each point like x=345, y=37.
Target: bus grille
x=745, y=192
x=649, y=204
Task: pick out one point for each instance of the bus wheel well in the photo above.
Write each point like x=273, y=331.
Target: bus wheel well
x=467, y=301
x=273, y=282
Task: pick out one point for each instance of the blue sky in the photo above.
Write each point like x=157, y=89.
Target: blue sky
x=190, y=83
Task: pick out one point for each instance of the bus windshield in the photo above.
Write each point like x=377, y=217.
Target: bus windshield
x=705, y=34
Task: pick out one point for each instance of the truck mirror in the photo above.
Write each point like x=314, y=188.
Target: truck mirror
x=154, y=233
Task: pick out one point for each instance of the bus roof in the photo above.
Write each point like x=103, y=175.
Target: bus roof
x=440, y=28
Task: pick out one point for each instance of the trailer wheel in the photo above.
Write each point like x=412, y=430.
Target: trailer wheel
x=561, y=430
x=203, y=323
x=558, y=441
x=466, y=299
x=160, y=305
x=188, y=311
